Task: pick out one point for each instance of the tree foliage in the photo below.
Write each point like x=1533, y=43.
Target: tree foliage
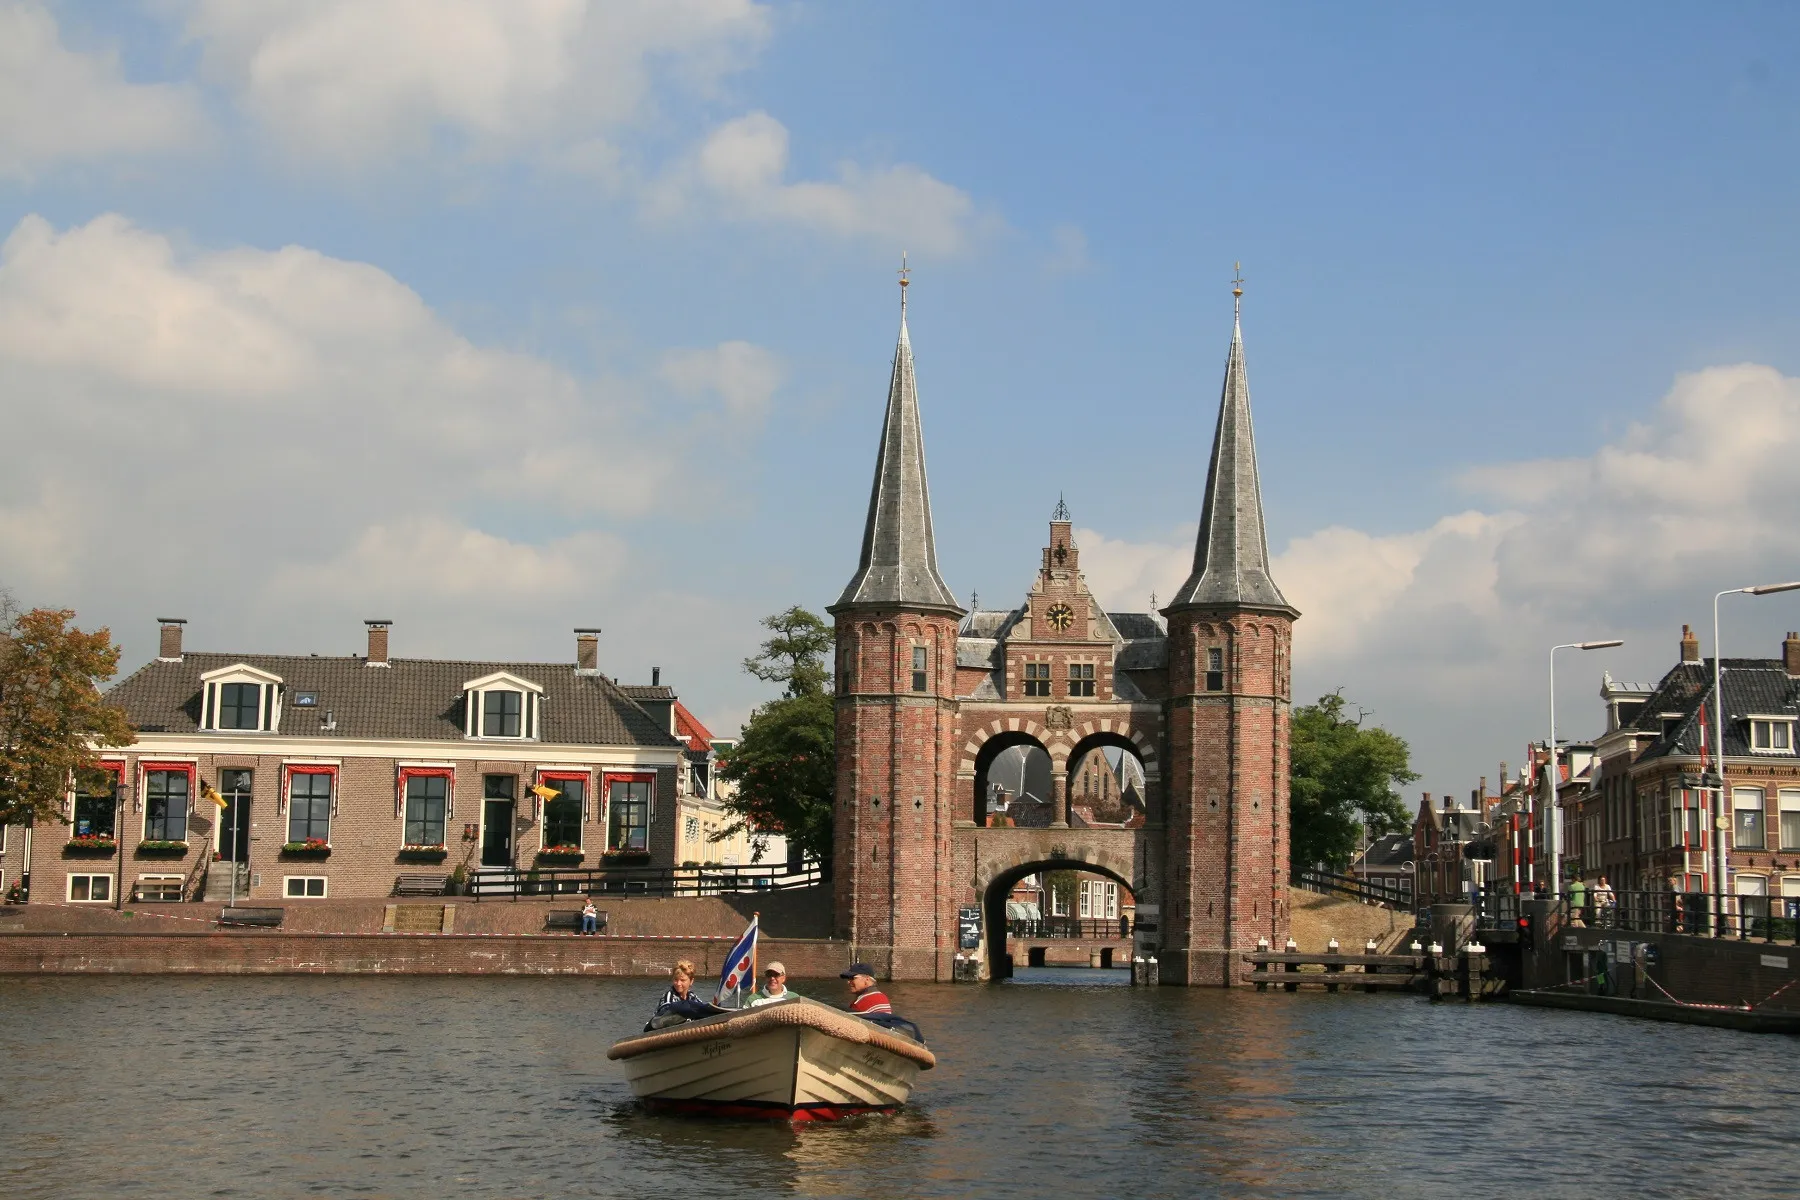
x=53, y=719
x=1343, y=777
x=785, y=765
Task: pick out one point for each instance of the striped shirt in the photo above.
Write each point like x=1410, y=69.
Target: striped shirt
x=871, y=1001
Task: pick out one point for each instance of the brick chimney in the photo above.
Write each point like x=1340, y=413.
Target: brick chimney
x=587, y=651
x=378, y=643
x=1690, y=645
x=655, y=676
x=170, y=648
x=1790, y=653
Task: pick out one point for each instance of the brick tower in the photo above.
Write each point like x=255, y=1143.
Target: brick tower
x=896, y=627
x=1230, y=634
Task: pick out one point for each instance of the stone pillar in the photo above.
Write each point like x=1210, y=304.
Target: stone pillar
x=1059, y=797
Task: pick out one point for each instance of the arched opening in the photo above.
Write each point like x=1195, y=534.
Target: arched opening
x=1014, y=783
x=1057, y=912
x=1110, y=781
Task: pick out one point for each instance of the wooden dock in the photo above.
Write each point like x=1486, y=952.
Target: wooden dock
x=1465, y=975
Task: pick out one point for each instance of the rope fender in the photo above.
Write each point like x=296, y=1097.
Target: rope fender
x=770, y=1018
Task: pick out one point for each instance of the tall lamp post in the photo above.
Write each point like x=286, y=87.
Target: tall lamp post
x=1550, y=768
x=1722, y=815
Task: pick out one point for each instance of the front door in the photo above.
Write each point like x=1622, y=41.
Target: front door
x=234, y=818
x=497, y=833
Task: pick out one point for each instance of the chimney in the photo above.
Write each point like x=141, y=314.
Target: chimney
x=1446, y=801
x=1790, y=653
x=655, y=676
x=378, y=643
x=170, y=648
x=1690, y=645
x=587, y=651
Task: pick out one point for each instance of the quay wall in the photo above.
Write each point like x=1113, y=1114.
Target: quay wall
x=1692, y=970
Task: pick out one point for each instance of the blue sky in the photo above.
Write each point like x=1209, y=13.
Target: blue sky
x=501, y=318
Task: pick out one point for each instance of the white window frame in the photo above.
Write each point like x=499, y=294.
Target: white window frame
x=137, y=889
x=1787, y=800
x=212, y=691
x=1761, y=808
x=288, y=881
x=1770, y=723
x=531, y=706
x=69, y=887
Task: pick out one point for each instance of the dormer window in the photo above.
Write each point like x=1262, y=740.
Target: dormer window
x=240, y=699
x=1771, y=735
x=502, y=705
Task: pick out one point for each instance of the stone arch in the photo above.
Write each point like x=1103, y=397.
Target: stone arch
x=984, y=751
x=995, y=879
x=1100, y=734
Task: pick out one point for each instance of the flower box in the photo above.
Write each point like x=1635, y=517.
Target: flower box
x=552, y=856
x=626, y=858
x=161, y=849
x=310, y=848
x=424, y=853
x=92, y=843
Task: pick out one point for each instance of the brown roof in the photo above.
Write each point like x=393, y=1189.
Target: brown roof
x=411, y=698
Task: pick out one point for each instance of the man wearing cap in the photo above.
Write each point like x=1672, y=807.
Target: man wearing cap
x=865, y=997
x=774, y=986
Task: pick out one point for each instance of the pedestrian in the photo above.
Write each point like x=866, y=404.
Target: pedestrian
x=1603, y=898
x=590, y=918
x=1577, y=903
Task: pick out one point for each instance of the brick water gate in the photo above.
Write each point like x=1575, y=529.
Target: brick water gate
x=1191, y=701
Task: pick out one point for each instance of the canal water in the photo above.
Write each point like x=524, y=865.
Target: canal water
x=302, y=1086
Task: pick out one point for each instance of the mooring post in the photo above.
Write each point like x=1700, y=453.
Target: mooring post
x=1333, y=968
x=1137, y=970
x=1260, y=964
x=1475, y=967
x=1150, y=975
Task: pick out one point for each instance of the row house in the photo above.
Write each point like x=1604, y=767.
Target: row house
x=1449, y=852
x=287, y=777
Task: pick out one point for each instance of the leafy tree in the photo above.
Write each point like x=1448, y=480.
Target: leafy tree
x=785, y=765
x=52, y=716
x=1342, y=779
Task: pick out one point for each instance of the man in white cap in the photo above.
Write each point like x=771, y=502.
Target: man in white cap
x=774, y=986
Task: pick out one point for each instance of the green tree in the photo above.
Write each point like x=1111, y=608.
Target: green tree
x=1343, y=778
x=785, y=765
x=53, y=719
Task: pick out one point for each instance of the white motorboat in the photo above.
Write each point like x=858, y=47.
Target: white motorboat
x=795, y=1059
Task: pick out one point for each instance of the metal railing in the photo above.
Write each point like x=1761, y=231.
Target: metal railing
x=641, y=881
x=1697, y=914
x=1373, y=891
x=1092, y=928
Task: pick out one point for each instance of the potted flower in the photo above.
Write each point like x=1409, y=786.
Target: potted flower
x=92, y=843
x=560, y=856
x=423, y=852
x=161, y=848
x=310, y=848
x=620, y=857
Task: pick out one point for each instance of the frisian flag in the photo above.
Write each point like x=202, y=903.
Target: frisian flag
x=740, y=964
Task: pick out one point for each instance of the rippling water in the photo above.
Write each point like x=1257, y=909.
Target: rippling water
x=501, y=1087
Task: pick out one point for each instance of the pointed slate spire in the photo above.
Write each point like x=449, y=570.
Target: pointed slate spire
x=899, y=555
x=1231, y=554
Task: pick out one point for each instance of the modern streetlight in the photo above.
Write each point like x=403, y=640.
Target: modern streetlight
x=1550, y=769
x=1722, y=816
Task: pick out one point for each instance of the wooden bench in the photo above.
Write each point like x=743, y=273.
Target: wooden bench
x=572, y=920
x=267, y=918
x=421, y=885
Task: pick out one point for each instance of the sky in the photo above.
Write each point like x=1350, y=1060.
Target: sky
x=500, y=317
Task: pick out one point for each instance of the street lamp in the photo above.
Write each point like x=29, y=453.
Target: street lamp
x=1550, y=771
x=1721, y=818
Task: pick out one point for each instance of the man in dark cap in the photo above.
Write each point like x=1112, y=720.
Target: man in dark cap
x=865, y=997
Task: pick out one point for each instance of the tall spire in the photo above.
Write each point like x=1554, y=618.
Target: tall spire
x=1231, y=554
x=899, y=555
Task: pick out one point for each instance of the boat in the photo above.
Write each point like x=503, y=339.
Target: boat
x=793, y=1059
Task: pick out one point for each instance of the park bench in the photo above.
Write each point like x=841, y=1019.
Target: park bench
x=421, y=885
x=267, y=918
x=571, y=920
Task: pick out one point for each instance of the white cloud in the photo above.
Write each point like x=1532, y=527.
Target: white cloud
x=59, y=106
x=1442, y=631
x=740, y=173
x=353, y=81
x=1068, y=251
x=280, y=441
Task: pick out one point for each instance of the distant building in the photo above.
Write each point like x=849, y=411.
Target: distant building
x=1388, y=863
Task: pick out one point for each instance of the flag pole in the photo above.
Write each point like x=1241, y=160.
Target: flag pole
x=755, y=945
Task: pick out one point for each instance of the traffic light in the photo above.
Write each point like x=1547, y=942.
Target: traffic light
x=1527, y=933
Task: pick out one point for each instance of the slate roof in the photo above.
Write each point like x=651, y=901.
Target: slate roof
x=899, y=554
x=1388, y=851
x=1759, y=686
x=411, y=699
x=1231, y=553
x=1136, y=625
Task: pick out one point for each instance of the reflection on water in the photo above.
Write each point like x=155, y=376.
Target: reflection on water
x=1072, y=976
x=501, y=1087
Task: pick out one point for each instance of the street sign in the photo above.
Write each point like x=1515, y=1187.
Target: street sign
x=968, y=926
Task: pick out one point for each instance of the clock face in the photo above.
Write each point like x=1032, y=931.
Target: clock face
x=1061, y=616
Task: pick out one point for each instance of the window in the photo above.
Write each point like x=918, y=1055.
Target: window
x=701, y=781
x=1215, y=669
x=159, y=889
x=425, y=797
x=1790, y=818
x=1081, y=679
x=96, y=805
x=90, y=889
x=1771, y=737
x=562, y=815
x=1747, y=829
x=919, y=680
x=303, y=887
x=502, y=713
x=240, y=706
x=1037, y=679
x=628, y=806
x=165, y=806
x=690, y=829
x=309, y=806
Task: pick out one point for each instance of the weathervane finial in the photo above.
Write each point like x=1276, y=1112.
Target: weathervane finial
x=1062, y=509
x=1237, y=289
x=905, y=271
